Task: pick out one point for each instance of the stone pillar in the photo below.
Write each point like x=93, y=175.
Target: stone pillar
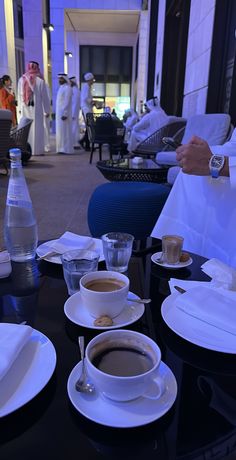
x=7, y=41
x=33, y=31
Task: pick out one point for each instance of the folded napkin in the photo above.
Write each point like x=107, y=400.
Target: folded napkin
x=13, y=337
x=210, y=306
x=222, y=274
x=186, y=284
x=69, y=241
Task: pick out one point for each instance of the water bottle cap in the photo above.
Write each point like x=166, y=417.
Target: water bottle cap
x=15, y=154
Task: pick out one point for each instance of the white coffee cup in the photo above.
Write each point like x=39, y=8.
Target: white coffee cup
x=123, y=351
x=97, y=300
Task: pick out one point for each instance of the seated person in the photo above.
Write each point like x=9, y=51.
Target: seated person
x=201, y=204
x=152, y=120
x=131, y=120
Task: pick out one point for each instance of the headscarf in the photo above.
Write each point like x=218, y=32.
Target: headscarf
x=153, y=103
x=65, y=76
x=29, y=80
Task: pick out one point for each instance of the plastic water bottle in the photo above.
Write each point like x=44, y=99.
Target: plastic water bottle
x=20, y=228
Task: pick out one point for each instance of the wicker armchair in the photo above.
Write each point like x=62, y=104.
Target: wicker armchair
x=19, y=138
x=152, y=144
x=105, y=129
x=5, y=141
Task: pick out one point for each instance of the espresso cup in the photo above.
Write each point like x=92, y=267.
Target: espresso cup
x=124, y=365
x=172, y=248
x=104, y=293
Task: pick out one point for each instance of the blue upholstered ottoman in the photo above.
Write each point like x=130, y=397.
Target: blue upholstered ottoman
x=131, y=207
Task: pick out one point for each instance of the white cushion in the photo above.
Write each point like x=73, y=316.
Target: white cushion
x=212, y=127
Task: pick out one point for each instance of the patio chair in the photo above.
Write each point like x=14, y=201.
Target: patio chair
x=5, y=141
x=105, y=129
x=215, y=128
x=19, y=137
x=152, y=144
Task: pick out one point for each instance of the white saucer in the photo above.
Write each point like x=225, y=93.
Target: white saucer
x=46, y=247
x=157, y=256
x=75, y=311
x=195, y=330
x=29, y=373
x=138, y=412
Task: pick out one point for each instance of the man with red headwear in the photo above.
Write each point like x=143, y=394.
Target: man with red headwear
x=34, y=103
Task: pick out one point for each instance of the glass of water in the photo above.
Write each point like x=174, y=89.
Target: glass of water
x=77, y=263
x=117, y=249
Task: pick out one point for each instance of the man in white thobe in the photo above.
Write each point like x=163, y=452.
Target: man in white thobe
x=34, y=103
x=64, y=142
x=87, y=101
x=201, y=208
x=75, y=111
x=47, y=146
x=151, y=121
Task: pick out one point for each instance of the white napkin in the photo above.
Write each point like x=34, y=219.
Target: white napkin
x=13, y=337
x=186, y=284
x=69, y=241
x=210, y=306
x=222, y=274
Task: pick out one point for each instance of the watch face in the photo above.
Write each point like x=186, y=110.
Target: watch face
x=217, y=161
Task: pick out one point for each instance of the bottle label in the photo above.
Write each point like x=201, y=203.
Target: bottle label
x=17, y=194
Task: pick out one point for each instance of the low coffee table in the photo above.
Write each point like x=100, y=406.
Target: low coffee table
x=126, y=170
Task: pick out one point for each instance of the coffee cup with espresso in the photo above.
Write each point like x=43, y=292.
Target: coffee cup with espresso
x=104, y=293
x=124, y=365
x=172, y=248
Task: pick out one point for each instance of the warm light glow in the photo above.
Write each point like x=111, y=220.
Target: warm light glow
x=49, y=27
x=68, y=53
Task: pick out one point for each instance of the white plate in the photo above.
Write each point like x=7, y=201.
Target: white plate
x=29, y=373
x=75, y=311
x=46, y=247
x=138, y=412
x=195, y=330
x=157, y=256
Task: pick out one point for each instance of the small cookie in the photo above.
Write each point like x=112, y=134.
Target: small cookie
x=103, y=321
x=184, y=257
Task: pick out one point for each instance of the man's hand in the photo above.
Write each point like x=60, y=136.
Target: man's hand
x=194, y=157
x=63, y=117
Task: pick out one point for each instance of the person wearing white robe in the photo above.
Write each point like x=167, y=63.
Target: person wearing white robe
x=201, y=208
x=75, y=111
x=34, y=103
x=47, y=146
x=87, y=101
x=64, y=142
x=151, y=121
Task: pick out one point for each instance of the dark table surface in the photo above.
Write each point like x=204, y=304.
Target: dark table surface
x=125, y=169
x=201, y=425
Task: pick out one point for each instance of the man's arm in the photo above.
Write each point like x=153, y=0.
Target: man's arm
x=194, y=158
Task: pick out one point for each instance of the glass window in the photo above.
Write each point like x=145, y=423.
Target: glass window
x=98, y=89
x=112, y=89
x=125, y=90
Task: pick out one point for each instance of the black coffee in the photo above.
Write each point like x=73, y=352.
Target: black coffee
x=124, y=362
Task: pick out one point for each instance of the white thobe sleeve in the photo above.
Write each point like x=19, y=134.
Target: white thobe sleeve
x=75, y=102
x=228, y=149
x=66, y=110
x=20, y=94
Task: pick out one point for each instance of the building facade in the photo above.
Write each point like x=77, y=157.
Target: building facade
x=181, y=50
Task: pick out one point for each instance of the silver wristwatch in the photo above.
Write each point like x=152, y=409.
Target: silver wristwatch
x=216, y=163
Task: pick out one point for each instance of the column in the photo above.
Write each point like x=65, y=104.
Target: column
x=7, y=41
x=33, y=31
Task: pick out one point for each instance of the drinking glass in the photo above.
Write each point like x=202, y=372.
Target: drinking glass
x=117, y=249
x=77, y=263
x=171, y=248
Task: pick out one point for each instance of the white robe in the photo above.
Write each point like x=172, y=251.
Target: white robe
x=47, y=147
x=36, y=113
x=86, y=99
x=203, y=211
x=148, y=124
x=64, y=142
x=75, y=114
